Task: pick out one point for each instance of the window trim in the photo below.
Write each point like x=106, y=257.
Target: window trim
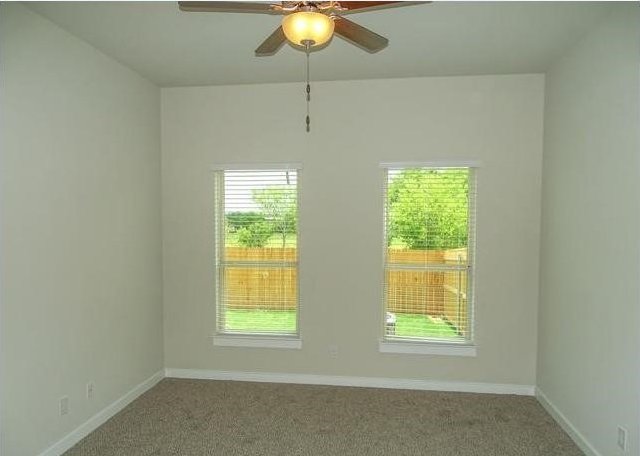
x=427, y=347
x=400, y=345
x=462, y=163
x=254, y=341
x=250, y=339
x=255, y=166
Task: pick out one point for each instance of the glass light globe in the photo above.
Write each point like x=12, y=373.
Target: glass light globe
x=307, y=26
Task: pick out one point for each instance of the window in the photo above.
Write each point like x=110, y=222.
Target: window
x=429, y=218
x=256, y=229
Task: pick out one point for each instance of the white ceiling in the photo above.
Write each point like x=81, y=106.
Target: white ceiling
x=174, y=48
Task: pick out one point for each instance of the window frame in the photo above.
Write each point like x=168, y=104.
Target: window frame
x=432, y=346
x=249, y=339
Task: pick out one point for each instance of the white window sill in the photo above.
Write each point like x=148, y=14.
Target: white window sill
x=257, y=341
x=427, y=348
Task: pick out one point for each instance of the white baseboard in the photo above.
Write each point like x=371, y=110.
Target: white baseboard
x=336, y=380
x=566, y=425
x=101, y=417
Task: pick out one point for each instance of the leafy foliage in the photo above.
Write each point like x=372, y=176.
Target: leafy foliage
x=277, y=216
x=428, y=209
x=239, y=220
x=255, y=234
x=278, y=205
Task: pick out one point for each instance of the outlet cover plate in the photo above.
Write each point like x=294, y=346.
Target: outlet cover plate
x=622, y=438
x=64, y=405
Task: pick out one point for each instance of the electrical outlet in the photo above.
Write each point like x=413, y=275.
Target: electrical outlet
x=333, y=351
x=90, y=389
x=622, y=438
x=64, y=406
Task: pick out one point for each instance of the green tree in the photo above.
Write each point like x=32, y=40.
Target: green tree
x=428, y=209
x=238, y=220
x=278, y=204
x=256, y=234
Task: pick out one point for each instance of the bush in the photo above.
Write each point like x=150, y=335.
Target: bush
x=255, y=235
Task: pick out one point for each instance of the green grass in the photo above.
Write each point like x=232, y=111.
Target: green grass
x=407, y=325
x=261, y=320
x=231, y=240
x=418, y=325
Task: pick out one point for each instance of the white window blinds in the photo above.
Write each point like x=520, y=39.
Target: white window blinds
x=256, y=224
x=429, y=237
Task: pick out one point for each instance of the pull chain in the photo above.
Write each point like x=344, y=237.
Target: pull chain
x=308, y=118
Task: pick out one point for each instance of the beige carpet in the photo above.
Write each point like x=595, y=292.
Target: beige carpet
x=201, y=417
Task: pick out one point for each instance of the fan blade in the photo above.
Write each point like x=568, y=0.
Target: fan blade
x=360, y=36
x=362, y=7
x=229, y=7
x=272, y=44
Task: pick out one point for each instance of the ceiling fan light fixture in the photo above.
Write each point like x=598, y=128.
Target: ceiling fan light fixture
x=310, y=27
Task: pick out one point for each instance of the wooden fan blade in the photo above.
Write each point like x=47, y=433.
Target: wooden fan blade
x=359, y=35
x=362, y=7
x=272, y=44
x=229, y=7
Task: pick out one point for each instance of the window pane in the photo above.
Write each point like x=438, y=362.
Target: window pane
x=427, y=304
x=439, y=257
x=427, y=208
x=260, y=254
x=260, y=288
x=257, y=251
x=263, y=321
x=428, y=223
x=260, y=209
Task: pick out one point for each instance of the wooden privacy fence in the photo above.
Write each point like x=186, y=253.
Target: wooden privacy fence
x=258, y=287
x=435, y=293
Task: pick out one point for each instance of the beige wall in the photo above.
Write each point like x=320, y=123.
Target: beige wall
x=356, y=125
x=80, y=233
x=588, y=363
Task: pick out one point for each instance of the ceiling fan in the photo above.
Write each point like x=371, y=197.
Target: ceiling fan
x=307, y=24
